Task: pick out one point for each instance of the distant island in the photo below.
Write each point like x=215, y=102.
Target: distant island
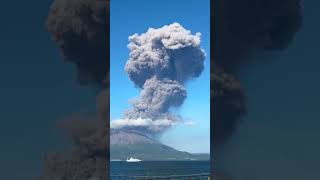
x=125, y=144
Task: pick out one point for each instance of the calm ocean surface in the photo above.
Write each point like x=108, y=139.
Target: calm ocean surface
x=150, y=169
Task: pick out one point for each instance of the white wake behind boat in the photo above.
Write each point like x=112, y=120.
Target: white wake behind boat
x=133, y=160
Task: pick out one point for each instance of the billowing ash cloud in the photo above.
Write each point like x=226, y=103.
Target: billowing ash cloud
x=160, y=62
x=79, y=27
x=170, y=52
x=244, y=28
x=228, y=101
x=156, y=97
x=140, y=123
x=89, y=139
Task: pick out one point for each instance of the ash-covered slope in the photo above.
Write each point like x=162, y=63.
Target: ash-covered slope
x=125, y=144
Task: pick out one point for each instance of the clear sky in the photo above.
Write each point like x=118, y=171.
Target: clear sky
x=129, y=17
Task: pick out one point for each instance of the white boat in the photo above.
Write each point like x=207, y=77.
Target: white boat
x=133, y=160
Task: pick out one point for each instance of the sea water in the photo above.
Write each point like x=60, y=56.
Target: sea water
x=159, y=170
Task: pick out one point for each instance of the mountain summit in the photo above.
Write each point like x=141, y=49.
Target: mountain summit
x=127, y=143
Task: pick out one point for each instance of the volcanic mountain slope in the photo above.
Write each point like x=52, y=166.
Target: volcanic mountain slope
x=125, y=144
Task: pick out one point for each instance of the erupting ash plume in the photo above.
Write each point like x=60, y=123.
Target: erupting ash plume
x=244, y=28
x=228, y=103
x=80, y=30
x=161, y=61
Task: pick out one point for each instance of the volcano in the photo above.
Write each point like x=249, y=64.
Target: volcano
x=128, y=143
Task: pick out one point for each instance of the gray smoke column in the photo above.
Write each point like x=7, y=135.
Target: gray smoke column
x=80, y=30
x=161, y=61
x=243, y=29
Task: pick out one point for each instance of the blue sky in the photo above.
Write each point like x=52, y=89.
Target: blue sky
x=129, y=17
